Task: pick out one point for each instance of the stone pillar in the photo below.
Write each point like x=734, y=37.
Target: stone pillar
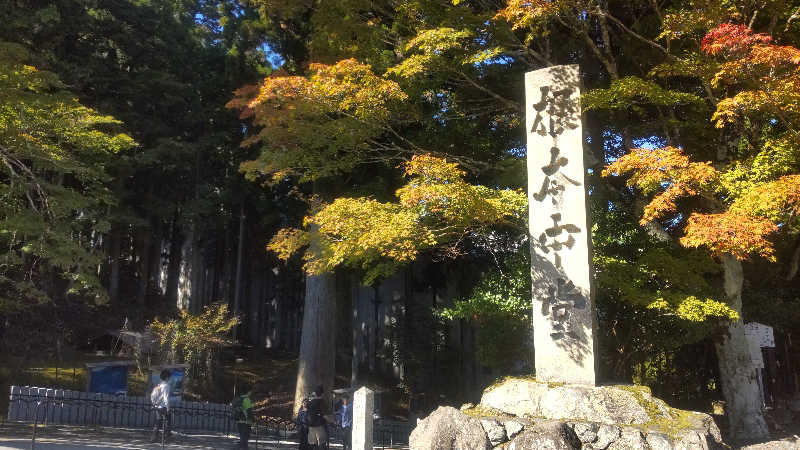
x=564, y=320
x=363, y=406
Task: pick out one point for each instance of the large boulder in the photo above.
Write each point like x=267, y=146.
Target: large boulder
x=602, y=404
x=546, y=435
x=448, y=428
x=522, y=414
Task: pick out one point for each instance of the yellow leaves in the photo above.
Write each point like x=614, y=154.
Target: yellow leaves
x=438, y=40
x=777, y=201
x=353, y=88
x=730, y=233
x=695, y=309
x=432, y=169
x=288, y=241
x=190, y=335
x=427, y=48
x=523, y=13
x=436, y=208
x=437, y=187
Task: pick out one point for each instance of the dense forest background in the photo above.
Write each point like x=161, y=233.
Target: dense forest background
x=154, y=149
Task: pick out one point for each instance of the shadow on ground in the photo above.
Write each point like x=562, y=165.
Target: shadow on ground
x=18, y=436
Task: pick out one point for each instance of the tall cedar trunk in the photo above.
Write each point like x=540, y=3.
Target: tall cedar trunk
x=196, y=273
x=237, y=293
x=155, y=254
x=318, y=339
x=356, y=329
x=174, y=265
x=144, y=264
x=737, y=373
x=116, y=251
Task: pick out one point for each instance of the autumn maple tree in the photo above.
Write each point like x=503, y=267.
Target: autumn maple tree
x=736, y=209
x=436, y=209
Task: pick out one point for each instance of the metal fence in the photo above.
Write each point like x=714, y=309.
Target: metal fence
x=64, y=407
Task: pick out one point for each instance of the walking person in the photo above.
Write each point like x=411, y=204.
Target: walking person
x=159, y=399
x=345, y=418
x=317, y=425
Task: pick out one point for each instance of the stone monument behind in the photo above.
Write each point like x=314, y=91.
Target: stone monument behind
x=363, y=406
x=562, y=407
x=563, y=306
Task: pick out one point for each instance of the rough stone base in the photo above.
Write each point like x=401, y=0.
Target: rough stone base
x=525, y=414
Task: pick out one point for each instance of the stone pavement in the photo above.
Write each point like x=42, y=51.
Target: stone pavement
x=18, y=436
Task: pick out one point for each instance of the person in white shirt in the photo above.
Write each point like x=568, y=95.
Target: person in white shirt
x=159, y=398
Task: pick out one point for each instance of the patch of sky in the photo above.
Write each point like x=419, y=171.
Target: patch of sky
x=519, y=152
x=612, y=146
x=273, y=58
x=676, y=220
x=650, y=142
x=500, y=59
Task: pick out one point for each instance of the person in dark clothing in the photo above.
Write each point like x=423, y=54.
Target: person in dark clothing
x=317, y=425
x=302, y=425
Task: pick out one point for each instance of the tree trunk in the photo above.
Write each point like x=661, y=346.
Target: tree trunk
x=174, y=265
x=318, y=338
x=144, y=264
x=116, y=251
x=237, y=293
x=737, y=373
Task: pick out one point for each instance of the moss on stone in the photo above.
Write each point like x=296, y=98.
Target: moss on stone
x=479, y=412
x=679, y=420
x=673, y=424
x=502, y=380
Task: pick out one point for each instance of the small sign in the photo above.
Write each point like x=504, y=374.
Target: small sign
x=760, y=333
x=108, y=377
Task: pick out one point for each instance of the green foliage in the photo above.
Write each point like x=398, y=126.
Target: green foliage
x=53, y=183
x=675, y=285
x=500, y=305
x=634, y=92
x=190, y=339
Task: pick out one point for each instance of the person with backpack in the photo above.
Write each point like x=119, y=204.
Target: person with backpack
x=242, y=409
x=317, y=425
x=159, y=399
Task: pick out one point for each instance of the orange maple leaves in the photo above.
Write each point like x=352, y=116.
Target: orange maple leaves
x=739, y=235
x=666, y=169
x=740, y=230
x=731, y=38
x=736, y=222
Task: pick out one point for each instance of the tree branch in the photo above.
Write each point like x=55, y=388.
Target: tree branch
x=638, y=36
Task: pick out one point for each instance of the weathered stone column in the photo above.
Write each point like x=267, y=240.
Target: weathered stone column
x=363, y=406
x=563, y=306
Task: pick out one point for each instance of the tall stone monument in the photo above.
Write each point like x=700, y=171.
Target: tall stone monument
x=363, y=407
x=564, y=319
